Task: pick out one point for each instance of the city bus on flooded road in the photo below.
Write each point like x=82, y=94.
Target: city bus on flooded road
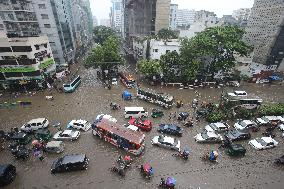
x=119, y=136
x=72, y=85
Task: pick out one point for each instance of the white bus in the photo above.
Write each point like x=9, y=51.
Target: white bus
x=135, y=112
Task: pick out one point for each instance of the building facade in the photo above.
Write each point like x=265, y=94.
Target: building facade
x=185, y=17
x=25, y=61
x=242, y=16
x=116, y=15
x=173, y=16
x=105, y=22
x=266, y=33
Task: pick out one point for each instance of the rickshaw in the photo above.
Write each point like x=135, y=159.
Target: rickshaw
x=43, y=134
x=183, y=154
x=126, y=160
x=114, y=106
x=147, y=171
x=21, y=138
x=20, y=152
x=236, y=150
x=182, y=116
x=211, y=156
x=157, y=113
x=179, y=103
x=168, y=184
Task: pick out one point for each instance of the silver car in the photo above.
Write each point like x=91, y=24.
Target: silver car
x=66, y=135
x=166, y=142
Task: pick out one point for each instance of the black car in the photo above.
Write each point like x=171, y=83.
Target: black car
x=7, y=174
x=235, y=135
x=170, y=129
x=70, y=163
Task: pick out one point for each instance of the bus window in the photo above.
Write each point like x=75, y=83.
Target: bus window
x=66, y=85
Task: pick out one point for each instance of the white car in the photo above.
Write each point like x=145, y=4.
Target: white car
x=79, y=124
x=263, y=143
x=281, y=127
x=245, y=125
x=114, y=81
x=35, y=124
x=238, y=93
x=217, y=127
x=66, y=135
x=208, y=137
x=131, y=127
x=105, y=116
x=269, y=119
x=166, y=142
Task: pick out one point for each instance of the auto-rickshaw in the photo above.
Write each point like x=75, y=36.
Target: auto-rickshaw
x=157, y=113
x=182, y=116
x=43, y=134
x=21, y=138
x=236, y=150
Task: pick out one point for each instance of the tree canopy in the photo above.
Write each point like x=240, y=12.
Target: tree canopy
x=101, y=33
x=149, y=68
x=166, y=34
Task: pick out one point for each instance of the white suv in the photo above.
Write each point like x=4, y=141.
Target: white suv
x=35, y=124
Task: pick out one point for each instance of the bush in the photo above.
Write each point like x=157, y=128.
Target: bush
x=215, y=117
x=271, y=109
x=243, y=113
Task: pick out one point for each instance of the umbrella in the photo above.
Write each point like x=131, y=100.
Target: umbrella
x=171, y=181
x=127, y=158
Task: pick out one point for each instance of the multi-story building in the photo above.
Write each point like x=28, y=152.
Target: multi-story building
x=145, y=17
x=242, y=16
x=228, y=20
x=25, y=62
x=266, y=33
x=185, y=17
x=105, y=22
x=173, y=16
x=116, y=15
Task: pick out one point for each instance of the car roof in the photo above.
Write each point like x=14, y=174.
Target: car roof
x=248, y=122
x=79, y=121
x=37, y=120
x=19, y=135
x=219, y=124
x=267, y=139
x=54, y=144
x=42, y=131
x=73, y=158
x=237, y=146
x=169, y=139
x=68, y=132
x=211, y=134
x=134, y=109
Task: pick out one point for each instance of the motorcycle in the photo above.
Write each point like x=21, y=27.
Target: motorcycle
x=119, y=169
x=184, y=154
x=188, y=124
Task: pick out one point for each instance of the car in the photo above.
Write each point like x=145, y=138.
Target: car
x=245, y=125
x=66, y=135
x=170, y=129
x=21, y=138
x=114, y=81
x=235, y=135
x=70, y=163
x=233, y=83
x=166, y=142
x=236, y=150
x=43, y=134
x=267, y=120
x=238, y=93
x=106, y=116
x=35, y=124
x=7, y=174
x=263, y=143
x=55, y=147
x=210, y=137
x=79, y=124
x=218, y=127
x=144, y=125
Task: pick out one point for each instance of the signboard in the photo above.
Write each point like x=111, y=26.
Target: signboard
x=46, y=63
x=17, y=69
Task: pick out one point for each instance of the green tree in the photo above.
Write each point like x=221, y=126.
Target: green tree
x=171, y=66
x=101, y=34
x=217, y=45
x=149, y=68
x=166, y=34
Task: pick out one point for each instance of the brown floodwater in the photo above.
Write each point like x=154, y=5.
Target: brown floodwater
x=255, y=170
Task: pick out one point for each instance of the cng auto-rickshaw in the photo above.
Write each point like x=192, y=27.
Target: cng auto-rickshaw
x=236, y=150
x=43, y=134
x=157, y=113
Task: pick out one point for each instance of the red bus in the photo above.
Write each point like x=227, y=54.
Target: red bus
x=120, y=136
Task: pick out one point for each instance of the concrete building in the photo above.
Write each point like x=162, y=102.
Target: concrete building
x=228, y=20
x=105, y=22
x=185, y=17
x=242, y=16
x=145, y=17
x=265, y=32
x=25, y=61
x=116, y=15
x=157, y=48
x=173, y=16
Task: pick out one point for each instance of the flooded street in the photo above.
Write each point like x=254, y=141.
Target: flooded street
x=255, y=170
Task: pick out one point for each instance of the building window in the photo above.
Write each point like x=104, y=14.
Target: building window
x=155, y=50
x=47, y=26
x=44, y=16
x=45, y=45
x=22, y=48
x=37, y=47
x=41, y=6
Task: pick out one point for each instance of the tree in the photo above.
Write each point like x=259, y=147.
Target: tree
x=149, y=68
x=101, y=34
x=215, y=48
x=105, y=56
x=166, y=34
x=171, y=66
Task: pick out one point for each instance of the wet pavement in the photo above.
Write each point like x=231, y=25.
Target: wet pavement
x=255, y=170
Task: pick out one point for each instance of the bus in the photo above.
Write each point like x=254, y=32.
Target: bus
x=135, y=112
x=127, y=79
x=248, y=102
x=119, y=136
x=161, y=99
x=71, y=86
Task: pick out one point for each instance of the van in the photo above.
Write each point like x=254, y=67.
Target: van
x=135, y=112
x=54, y=147
x=35, y=124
